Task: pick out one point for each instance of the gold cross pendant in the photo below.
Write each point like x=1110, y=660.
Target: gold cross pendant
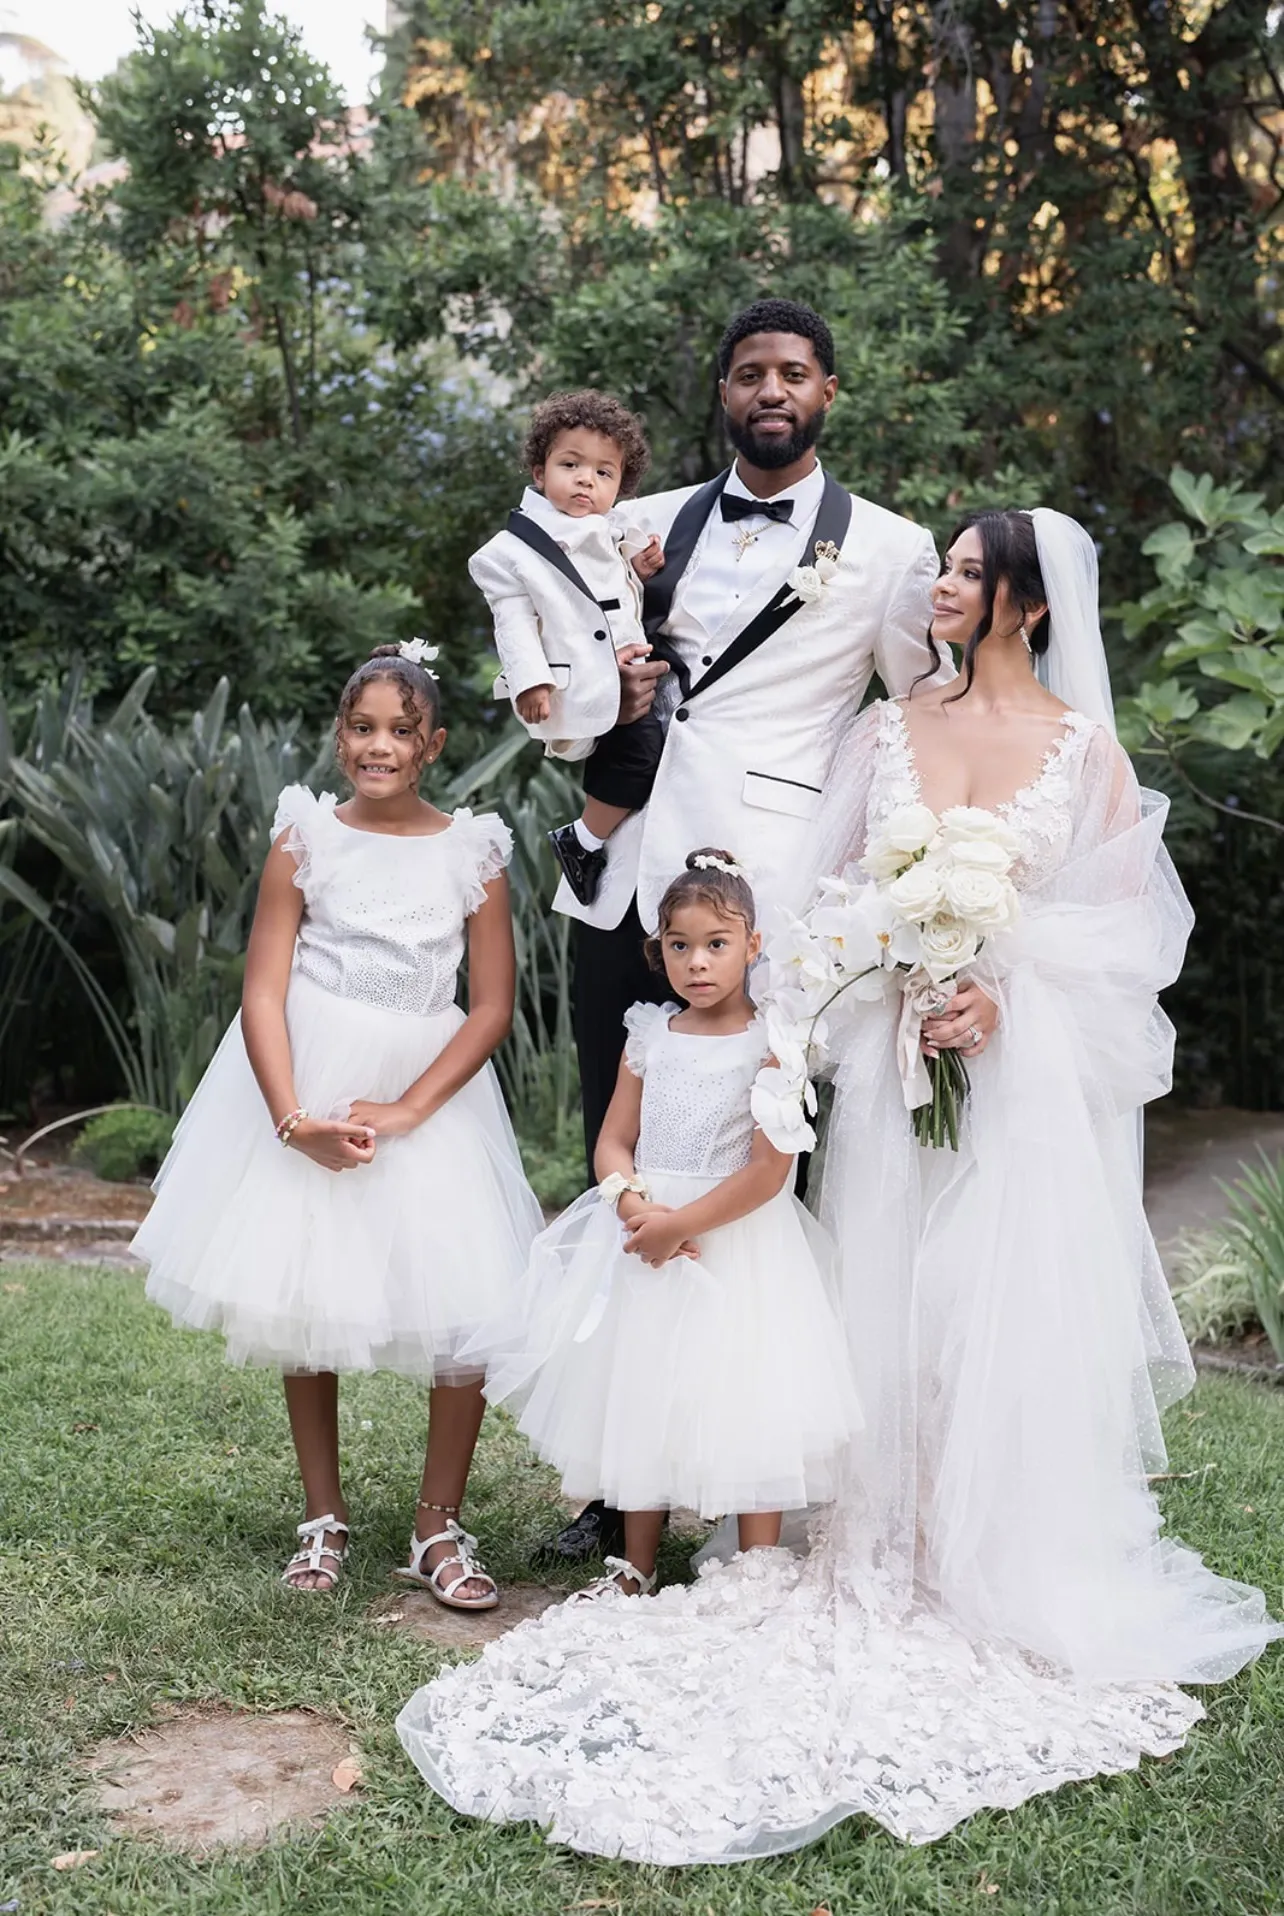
x=743, y=540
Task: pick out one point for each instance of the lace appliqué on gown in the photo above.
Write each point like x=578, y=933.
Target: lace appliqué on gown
x=1041, y=813
x=716, y=1722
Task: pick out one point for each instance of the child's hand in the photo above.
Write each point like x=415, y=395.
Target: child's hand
x=336, y=1144
x=383, y=1120
x=653, y=1235
x=650, y=560
x=534, y=704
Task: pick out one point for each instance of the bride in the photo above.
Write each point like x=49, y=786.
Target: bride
x=990, y=1609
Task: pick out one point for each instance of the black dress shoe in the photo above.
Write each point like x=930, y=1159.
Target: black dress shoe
x=596, y=1532
x=582, y=868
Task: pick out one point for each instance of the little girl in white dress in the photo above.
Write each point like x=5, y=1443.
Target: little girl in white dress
x=685, y=1350
x=374, y=1215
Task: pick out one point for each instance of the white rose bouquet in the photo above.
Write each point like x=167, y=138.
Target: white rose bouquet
x=940, y=887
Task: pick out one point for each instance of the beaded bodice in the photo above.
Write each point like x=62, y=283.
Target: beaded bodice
x=1041, y=813
x=695, y=1093
x=384, y=916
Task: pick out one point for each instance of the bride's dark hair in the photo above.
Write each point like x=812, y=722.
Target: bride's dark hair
x=1009, y=553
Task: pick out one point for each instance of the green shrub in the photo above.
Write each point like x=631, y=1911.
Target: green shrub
x=1257, y=1231
x=124, y=1143
x=1229, y=1279
x=1213, y=1286
x=554, y=1164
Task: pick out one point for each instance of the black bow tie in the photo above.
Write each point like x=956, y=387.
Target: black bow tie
x=735, y=506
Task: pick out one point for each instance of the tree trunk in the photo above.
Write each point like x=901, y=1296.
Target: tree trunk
x=954, y=119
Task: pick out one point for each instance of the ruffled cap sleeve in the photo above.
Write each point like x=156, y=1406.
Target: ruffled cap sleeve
x=300, y=819
x=486, y=845
x=643, y=1024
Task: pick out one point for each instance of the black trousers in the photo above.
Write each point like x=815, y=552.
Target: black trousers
x=621, y=768
x=611, y=973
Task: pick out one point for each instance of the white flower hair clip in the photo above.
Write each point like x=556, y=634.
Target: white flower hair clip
x=419, y=652
x=706, y=862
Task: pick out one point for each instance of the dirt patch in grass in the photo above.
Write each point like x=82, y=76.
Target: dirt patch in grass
x=204, y=1780
x=63, y=1191
x=1250, y=1356
x=421, y=1616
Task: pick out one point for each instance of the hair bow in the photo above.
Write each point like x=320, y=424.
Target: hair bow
x=419, y=652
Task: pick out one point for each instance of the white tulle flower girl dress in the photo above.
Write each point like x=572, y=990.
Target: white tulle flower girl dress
x=719, y=1384
x=399, y=1263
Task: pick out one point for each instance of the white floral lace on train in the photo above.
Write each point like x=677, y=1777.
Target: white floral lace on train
x=747, y=1714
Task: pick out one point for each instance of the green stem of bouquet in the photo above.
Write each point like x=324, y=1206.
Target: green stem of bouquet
x=936, y=1123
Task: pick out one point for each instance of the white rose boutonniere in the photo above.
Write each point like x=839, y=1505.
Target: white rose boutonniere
x=809, y=581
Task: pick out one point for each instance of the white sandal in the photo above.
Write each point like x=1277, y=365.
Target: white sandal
x=313, y=1532
x=470, y=1567
x=609, y=1585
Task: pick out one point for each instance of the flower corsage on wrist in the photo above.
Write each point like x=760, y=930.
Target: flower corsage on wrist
x=615, y=1184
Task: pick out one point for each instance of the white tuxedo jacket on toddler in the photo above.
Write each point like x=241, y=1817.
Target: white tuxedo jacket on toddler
x=751, y=738
x=563, y=598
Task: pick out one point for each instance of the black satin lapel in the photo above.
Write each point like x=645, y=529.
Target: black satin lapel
x=833, y=519
x=523, y=527
x=831, y=523
x=657, y=594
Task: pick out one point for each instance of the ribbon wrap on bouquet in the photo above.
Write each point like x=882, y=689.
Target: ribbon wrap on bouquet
x=921, y=997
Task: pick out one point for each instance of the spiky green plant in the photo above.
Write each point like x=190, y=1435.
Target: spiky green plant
x=1212, y=1283
x=163, y=831
x=536, y=1064
x=1256, y=1228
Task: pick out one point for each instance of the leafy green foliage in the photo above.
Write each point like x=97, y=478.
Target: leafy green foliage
x=1220, y=677
x=124, y=1143
x=210, y=464
x=1212, y=1286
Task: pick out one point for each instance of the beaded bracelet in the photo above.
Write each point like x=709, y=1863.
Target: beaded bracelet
x=289, y=1124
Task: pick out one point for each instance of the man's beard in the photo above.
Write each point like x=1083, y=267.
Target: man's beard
x=768, y=452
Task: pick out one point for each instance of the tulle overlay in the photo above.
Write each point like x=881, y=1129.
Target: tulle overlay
x=392, y=1265
x=989, y=1609
x=663, y=1388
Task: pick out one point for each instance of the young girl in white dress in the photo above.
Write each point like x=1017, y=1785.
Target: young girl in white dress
x=680, y=1346
x=374, y=1215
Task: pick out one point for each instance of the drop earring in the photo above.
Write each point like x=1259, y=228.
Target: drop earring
x=1025, y=640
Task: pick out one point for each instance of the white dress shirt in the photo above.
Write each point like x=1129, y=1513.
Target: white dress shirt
x=723, y=574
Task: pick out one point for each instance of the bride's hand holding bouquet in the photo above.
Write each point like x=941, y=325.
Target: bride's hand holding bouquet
x=934, y=889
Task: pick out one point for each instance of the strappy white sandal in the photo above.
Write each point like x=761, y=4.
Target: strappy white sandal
x=609, y=1585
x=434, y=1581
x=313, y=1533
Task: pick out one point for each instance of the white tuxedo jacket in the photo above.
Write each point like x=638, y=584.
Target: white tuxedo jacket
x=750, y=743
x=558, y=620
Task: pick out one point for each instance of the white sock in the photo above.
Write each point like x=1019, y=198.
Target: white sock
x=586, y=838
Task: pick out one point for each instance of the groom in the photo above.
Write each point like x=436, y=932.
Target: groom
x=753, y=682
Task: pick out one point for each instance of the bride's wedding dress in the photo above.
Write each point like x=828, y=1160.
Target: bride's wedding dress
x=990, y=1610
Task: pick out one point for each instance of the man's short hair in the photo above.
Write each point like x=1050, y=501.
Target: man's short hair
x=777, y=316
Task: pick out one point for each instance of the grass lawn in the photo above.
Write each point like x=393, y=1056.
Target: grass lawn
x=146, y=1505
